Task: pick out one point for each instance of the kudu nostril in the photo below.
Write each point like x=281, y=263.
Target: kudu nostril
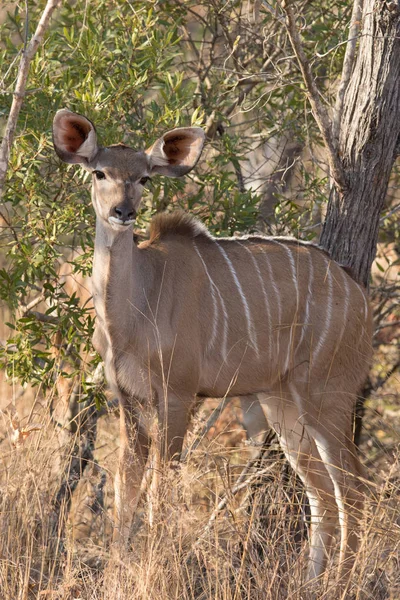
x=124, y=213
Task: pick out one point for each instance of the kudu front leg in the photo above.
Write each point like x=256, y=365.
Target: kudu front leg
x=174, y=414
x=133, y=455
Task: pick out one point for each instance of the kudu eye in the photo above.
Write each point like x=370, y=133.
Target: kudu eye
x=144, y=180
x=99, y=174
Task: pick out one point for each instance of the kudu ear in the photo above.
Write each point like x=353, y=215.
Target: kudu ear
x=177, y=151
x=74, y=137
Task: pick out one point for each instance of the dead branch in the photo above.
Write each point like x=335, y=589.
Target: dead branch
x=81, y=457
x=243, y=482
x=42, y=317
x=26, y=308
x=385, y=325
x=19, y=93
x=319, y=111
x=212, y=419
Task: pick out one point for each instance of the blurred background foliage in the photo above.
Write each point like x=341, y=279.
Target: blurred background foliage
x=137, y=69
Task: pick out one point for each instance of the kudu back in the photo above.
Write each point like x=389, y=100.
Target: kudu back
x=184, y=315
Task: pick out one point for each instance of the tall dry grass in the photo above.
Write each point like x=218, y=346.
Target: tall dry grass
x=210, y=538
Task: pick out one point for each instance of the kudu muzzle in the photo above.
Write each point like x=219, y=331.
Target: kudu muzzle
x=122, y=214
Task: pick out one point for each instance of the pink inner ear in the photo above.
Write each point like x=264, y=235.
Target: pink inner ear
x=178, y=148
x=73, y=133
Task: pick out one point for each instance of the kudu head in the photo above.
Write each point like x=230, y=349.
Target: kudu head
x=119, y=172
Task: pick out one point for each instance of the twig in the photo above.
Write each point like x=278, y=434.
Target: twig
x=81, y=456
x=385, y=325
x=319, y=111
x=242, y=483
x=211, y=126
x=26, y=308
x=347, y=67
x=209, y=423
x=392, y=212
x=42, y=317
x=382, y=380
x=20, y=88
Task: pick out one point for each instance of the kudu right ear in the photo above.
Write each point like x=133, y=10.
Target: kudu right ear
x=177, y=151
x=74, y=137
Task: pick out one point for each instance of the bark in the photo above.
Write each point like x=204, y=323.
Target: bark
x=368, y=141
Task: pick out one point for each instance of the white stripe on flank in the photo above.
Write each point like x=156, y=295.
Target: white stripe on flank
x=267, y=307
x=249, y=322
x=293, y=269
x=213, y=337
x=306, y=323
x=295, y=318
x=277, y=294
x=329, y=307
x=225, y=326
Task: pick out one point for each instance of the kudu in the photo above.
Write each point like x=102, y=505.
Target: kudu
x=185, y=315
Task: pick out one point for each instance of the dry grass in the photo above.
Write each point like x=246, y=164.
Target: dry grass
x=255, y=548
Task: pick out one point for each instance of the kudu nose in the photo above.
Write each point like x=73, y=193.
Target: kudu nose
x=124, y=213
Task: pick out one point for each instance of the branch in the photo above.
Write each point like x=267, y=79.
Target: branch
x=347, y=67
x=319, y=111
x=211, y=125
x=79, y=459
x=212, y=419
x=42, y=317
x=26, y=308
x=19, y=93
x=385, y=325
x=243, y=482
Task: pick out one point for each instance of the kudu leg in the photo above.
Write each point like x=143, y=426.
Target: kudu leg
x=303, y=456
x=173, y=418
x=133, y=455
x=253, y=417
x=328, y=420
x=174, y=413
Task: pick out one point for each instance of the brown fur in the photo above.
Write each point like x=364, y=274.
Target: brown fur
x=176, y=223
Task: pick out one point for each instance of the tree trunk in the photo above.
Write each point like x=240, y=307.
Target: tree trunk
x=368, y=141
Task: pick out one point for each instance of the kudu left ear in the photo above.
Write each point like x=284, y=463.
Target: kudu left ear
x=74, y=137
x=177, y=151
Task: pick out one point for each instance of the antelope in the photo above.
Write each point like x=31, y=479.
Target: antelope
x=185, y=315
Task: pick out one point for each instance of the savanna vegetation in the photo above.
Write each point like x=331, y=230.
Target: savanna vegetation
x=301, y=107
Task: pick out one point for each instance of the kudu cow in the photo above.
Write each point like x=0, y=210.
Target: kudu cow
x=185, y=315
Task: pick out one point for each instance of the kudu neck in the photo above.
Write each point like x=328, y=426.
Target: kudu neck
x=113, y=275
x=110, y=240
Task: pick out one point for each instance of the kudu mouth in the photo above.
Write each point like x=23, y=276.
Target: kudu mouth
x=121, y=222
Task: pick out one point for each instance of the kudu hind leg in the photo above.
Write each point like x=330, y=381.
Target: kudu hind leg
x=303, y=456
x=133, y=455
x=329, y=421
